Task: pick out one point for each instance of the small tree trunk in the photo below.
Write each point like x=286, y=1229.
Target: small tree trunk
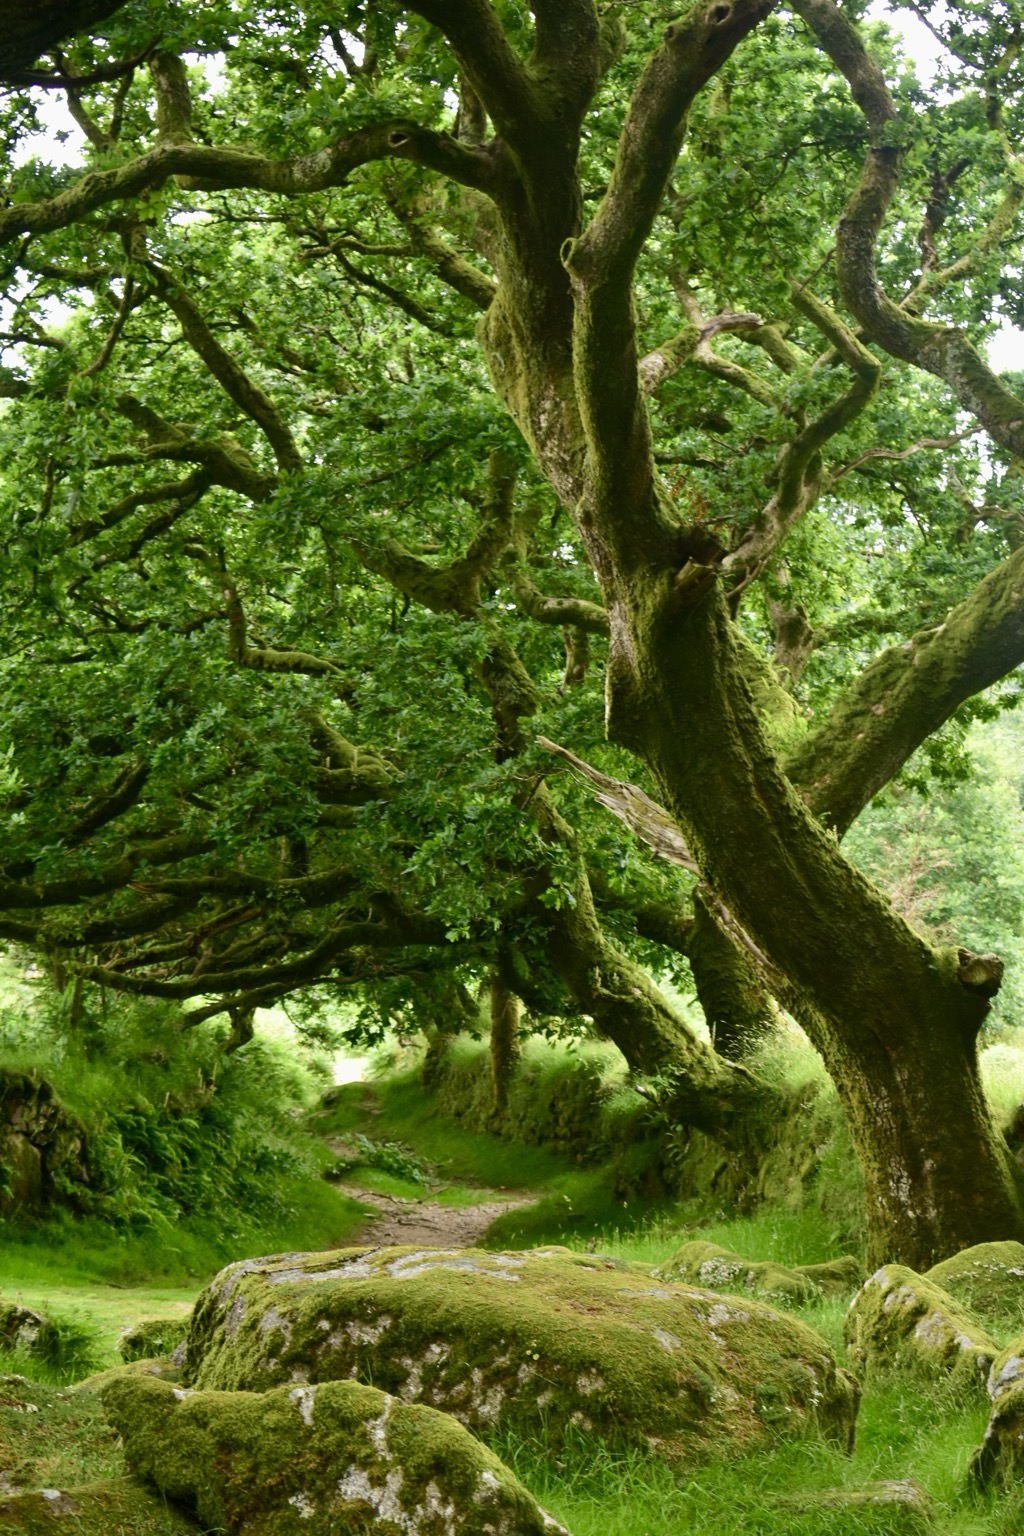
x=738, y=1010
x=506, y=1048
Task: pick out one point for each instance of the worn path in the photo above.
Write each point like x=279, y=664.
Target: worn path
x=425, y=1222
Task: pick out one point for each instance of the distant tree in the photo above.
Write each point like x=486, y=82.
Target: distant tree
x=380, y=400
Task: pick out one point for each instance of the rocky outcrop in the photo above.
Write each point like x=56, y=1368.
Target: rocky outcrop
x=322, y=1459
x=152, y=1338
x=571, y=1340
x=707, y=1264
x=44, y=1149
x=1000, y=1457
x=989, y=1280
x=899, y=1321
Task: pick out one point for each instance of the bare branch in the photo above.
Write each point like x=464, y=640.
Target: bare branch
x=892, y=454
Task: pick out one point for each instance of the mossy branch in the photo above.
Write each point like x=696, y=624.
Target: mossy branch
x=489, y=62
x=451, y=267
x=215, y=168
x=935, y=348
x=230, y=375
x=906, y=693
x=800, y=473
x=225, y=460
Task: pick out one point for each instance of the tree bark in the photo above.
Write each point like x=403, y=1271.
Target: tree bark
x=736, y=1006
x=27, y=30
x=506, y=1048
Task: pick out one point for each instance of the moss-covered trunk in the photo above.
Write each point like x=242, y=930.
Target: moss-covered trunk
x=506, y=1048
x=895, y=1020
x=736, y=1006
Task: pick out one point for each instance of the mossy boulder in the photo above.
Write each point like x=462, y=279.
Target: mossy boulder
x=23, y=1329
x=44, y=1148
x=546, y=1337
x=1000, y=1457
x=707, y=1264
x=898, y=1504
x=318, y=1460
x=835, y=1277
x=900, y=1321
x=988, y=1279
x=153, y=1337
x=110, y=1508
x=164, y=1368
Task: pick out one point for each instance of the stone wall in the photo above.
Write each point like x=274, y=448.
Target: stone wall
x=44, y=1148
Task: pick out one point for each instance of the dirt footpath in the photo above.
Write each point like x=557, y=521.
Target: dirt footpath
x=424, y=1223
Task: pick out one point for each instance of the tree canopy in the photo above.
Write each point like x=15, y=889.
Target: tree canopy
x=399, y=398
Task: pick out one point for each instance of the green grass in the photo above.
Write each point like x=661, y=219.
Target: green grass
x=399, y=1109
x=902, y=1434
x=307, y=1213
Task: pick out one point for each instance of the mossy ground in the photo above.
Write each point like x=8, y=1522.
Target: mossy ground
x=904, y=1431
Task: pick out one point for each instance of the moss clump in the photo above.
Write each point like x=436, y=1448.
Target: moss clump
x=1000, y=1457
x=571, y=1341
x=989, y=1279
x=703, y=1263
x=316, y=1461
x=153, y=1337
x=900, y=1321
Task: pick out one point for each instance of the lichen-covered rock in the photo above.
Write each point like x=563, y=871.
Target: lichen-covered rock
x=988, y=1279
x=519, y=1338
x=23, y=1329
x=900, y=1321
x=151, y=1338
x=96, y=1509
x=707, y=1264
x=318, y=1460
x=1000, y=1457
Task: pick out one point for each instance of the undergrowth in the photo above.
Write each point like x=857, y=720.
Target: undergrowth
x=195, y=1157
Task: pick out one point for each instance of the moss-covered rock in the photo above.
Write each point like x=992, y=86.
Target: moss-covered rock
x=707, y=1264
x=23, y=1329
x=900, y=1321
x=835, y=1277
x=152, y=1338
x=119, y=1507
x=898, y=1505
x=44, y=1149
x=543, y=1337
x=988, y=1279
x=318, y=1460
x=164, y=1368
x=1000, y=1457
